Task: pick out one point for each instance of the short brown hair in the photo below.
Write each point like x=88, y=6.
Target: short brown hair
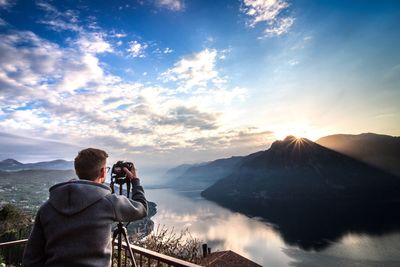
x=89, y=162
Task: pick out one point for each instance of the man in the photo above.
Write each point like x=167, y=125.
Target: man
x=73, y=228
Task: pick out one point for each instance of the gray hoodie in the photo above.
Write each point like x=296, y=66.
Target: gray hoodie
x=74, y=227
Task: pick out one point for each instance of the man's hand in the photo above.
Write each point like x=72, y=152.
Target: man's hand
x=131, y=174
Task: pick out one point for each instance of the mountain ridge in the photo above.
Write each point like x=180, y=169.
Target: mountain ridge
x=14, y=165
x=200, y=176
x=382, y=151
x=297, y=168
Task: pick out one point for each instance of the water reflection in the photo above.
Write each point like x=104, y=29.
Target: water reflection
x=219, y=227
x=314, y=225
x=298, y=237
x=352, y=250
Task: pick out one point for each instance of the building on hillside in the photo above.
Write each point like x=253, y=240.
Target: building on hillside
x=226, y=258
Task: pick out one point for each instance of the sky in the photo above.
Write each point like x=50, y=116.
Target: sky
x=166, y=82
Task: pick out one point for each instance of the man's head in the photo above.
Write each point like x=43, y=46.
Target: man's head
x=90, y=164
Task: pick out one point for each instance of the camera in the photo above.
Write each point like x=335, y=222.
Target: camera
x=118, y=168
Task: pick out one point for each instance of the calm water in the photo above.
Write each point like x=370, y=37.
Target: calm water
x=263, y=243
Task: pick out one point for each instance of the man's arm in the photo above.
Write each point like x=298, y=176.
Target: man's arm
x=34, y=250
x=130, y=209
x=126, y=209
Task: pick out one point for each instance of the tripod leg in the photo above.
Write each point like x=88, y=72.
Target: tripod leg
x=125, y=234
x=119, y=250
x=112, y=249
x=128, y=188
x=112, y=187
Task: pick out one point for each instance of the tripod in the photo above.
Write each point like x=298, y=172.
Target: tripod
x=120, y=231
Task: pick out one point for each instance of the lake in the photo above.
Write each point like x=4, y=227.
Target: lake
x=309, y=238
x=256, y=239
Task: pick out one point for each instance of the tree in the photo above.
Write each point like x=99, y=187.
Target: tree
x=15, y=224
x=180, y=245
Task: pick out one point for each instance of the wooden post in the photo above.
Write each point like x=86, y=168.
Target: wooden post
x=204, y=246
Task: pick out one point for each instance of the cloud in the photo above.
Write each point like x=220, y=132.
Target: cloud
x=45, y=87
x=119, y=35
x=58, y=25
x=26, y=62
x=28, y=149
x=136, y=49
x=3, y=22
x=6, y=4
x=280, y=27
x=59, y=21
x=242, y=140
x=302, y=42
x=34, y=67
x=269, y=12
x=189, y=117
x=83, y=71
x=168, y=50
x=293, y=62
x=90, y=38
x=93, y=42
x=66, y=94
x=194, y=70
x=173, y=5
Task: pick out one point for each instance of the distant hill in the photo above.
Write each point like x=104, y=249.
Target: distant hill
x=200, y=176
x=301, y=170
x=177, y=171
x=28, y=189
x=10, y=164
x=13, y=165
x=382, y=151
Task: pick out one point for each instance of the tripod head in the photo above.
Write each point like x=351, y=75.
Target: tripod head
x=120, y=181
x=118, y=176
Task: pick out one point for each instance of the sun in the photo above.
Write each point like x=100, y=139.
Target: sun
x=298, y=130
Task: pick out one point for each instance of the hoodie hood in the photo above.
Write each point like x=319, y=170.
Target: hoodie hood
x=74, y=196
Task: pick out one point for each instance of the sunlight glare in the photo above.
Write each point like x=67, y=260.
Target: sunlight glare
x=298, y=130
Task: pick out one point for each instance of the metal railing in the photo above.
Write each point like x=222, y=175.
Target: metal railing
x=12, y=251
x=143, y=257
x=149, y=258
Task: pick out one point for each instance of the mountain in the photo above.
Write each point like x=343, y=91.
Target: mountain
x=301, y=170
x=177, y=171
x=199, y=177
x=58, y=164
x=10, y=164
x=13, y=165
x=310, y=194
x=382, y=151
